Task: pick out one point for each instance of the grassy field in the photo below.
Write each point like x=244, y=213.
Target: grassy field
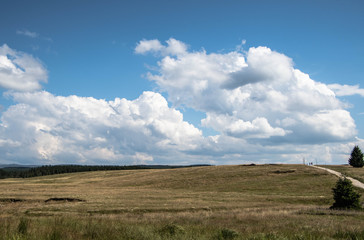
x=216, y=202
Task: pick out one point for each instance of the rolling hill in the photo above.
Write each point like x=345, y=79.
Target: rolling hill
x=251, y=201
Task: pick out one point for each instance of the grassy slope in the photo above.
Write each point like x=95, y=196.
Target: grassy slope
x=283, y=200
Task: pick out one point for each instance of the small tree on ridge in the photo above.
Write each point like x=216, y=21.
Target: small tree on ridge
x=356, y=158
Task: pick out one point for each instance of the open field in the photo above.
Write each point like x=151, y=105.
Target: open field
x=216, y=202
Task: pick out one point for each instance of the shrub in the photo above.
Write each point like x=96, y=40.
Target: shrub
x=345, y=196
x=227, y=234
x=171, y=230
x=356, y=158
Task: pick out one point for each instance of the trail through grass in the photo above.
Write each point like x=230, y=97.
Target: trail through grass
x=357, y=173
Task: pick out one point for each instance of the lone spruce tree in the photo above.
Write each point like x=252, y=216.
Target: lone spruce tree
x=345, y=196
x=356, y=158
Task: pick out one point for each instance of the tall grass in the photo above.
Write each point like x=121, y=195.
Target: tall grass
x=113, y=228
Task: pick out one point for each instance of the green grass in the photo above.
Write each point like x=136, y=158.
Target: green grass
x=216, y=202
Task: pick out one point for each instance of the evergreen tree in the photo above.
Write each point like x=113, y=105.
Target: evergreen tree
x=356, y=158
x=345, y=196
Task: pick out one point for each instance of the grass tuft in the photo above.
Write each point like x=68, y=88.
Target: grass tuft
x=349, y=234
x=227, y=234
x=172, y=230
x=23, y=226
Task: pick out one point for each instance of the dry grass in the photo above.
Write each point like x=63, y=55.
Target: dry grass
x=257, y=202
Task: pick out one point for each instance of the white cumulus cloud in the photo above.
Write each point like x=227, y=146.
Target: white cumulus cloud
x=20, y=71
x=257, y=94
x=174, y=47
x=261, y=107
x=232, y=126
x=263, y=64
x=54, y=129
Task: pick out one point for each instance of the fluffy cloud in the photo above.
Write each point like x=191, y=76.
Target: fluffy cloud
x=145, y=46
x=20, y=71
x=263, y=64
x=346, y=90
x=55, y=129
x=257, y=94
x=232, y=126
x=262, y=108
x=174, y=47
x=46, y=129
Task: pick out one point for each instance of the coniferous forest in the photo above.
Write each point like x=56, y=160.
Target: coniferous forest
x=24, y=172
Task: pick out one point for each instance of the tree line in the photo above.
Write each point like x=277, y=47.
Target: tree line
x=24, y=172
x=58, y=169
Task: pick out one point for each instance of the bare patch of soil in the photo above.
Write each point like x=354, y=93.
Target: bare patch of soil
x=284, y=171
x=64, y=200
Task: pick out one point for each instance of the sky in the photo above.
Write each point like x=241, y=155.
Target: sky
x=181, y=82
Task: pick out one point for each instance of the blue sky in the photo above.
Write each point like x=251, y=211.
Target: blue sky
x=180, y=82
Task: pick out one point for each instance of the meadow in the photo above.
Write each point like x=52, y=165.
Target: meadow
x=212, y=202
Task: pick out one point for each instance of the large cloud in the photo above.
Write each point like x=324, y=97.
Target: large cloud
x=20, y=71
x=56, y=129
x=262, y=108
x=257, y=94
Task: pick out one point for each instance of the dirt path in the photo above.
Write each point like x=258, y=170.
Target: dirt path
x=355, y=182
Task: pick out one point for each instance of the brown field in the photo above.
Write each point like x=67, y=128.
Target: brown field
x=217, y=202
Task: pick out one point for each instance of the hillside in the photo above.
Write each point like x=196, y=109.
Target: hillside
x=243, y=198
